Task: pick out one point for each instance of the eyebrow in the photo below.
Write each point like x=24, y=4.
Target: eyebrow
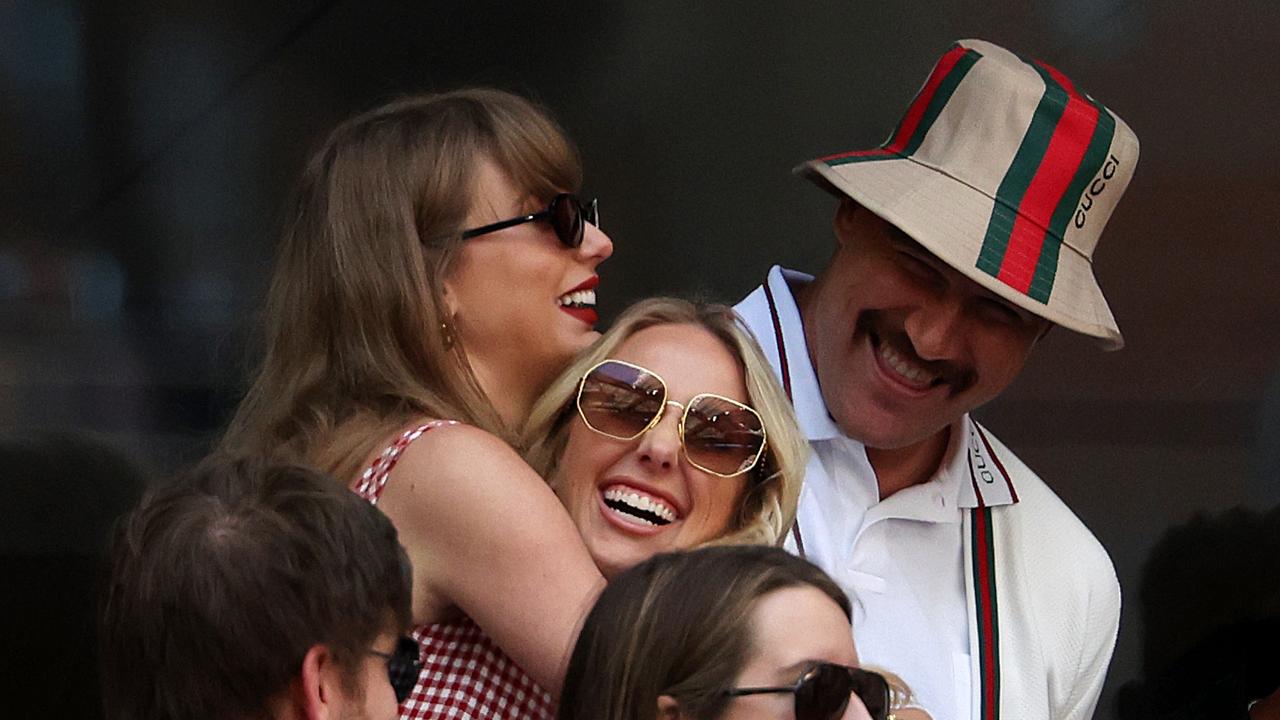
x=804, y=664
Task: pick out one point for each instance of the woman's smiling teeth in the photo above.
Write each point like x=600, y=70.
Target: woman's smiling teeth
x=578, y=298
x=638, y=506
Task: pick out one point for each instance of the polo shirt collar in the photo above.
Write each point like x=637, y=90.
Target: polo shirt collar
x=969, y=476
x=984, y=480
x=788, y=337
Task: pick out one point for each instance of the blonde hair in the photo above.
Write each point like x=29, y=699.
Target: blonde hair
x=769, y=505
x=354, y=334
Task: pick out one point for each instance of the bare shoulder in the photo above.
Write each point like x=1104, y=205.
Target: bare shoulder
x=452, y=458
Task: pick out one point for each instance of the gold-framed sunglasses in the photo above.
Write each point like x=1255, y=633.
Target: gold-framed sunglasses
x=718, y=435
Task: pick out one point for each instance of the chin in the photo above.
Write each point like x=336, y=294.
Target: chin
x=881, y=434
x=614, y=560
x=609, y=568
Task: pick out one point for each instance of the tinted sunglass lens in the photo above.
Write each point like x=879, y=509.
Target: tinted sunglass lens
x=403, y=668
x=619, y=400
x=722, y=436
x=824, y=694
x=566, y=219
x=873, y=691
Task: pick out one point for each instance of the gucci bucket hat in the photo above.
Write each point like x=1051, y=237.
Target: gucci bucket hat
x=1006, y=171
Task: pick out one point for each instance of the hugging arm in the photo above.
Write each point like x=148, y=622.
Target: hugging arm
x=488, y=536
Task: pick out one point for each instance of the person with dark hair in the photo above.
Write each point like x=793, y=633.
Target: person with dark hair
x=736, y=631
x=247, y=591
x=958, y=243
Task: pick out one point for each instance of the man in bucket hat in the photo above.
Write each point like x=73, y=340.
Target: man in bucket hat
x=959, y=242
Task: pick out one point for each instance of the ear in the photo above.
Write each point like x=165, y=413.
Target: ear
x=846, y=222
x=318, y=695
x=449, y=300
x=668, y=708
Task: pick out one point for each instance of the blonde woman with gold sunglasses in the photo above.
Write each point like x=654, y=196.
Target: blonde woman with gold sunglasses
x=669, y=433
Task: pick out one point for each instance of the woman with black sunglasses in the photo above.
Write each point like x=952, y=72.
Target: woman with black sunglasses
x=437, y=271
x=724, y=633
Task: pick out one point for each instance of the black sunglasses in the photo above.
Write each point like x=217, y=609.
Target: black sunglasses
x=402, y=667
x=823, y=691
x=566, y=213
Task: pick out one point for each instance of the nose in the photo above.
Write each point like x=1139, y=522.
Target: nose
x=936, y=328
x=596, y=246
x=660, y=447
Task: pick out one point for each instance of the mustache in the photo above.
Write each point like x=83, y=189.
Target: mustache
x=956, y=376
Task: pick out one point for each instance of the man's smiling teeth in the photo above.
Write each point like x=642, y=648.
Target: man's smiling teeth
x=905, y=368
x=578, y=298
x=644, y=508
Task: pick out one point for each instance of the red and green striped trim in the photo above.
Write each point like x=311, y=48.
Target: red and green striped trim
x=984, y=586
x=924, y=110
x=1038, y=195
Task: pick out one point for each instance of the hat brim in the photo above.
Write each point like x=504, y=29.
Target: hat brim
x=950, y=219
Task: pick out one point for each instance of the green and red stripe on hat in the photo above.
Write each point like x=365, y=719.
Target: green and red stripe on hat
x=1003, y=168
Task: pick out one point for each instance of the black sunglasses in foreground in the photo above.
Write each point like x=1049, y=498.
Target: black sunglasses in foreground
x=823, y=692
x=566, y=213
x=402, y=667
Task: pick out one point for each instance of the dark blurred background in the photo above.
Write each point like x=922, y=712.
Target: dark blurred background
x=146, y=147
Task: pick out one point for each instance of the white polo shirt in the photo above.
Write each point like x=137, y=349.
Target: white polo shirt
x=901, y=560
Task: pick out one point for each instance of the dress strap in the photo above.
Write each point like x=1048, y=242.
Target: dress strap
x=375, y=476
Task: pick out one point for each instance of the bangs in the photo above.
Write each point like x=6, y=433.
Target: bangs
x=534, y=151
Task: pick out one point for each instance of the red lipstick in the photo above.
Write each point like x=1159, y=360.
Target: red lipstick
x=584, y=313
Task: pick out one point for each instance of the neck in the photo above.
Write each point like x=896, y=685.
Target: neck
x=803, y=295
x=902, y=467
x=510, y=391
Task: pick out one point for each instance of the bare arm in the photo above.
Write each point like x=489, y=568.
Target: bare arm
x=487, y=535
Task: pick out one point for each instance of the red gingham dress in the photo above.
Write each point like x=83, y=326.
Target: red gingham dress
x=465, y=675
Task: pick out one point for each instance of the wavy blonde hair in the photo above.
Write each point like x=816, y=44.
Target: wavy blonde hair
x=355, y=346
x=768, y=507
